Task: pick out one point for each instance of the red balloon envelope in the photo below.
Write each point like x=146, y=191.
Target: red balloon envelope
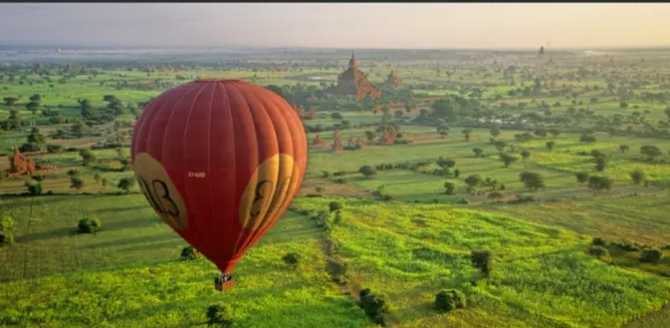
x=219, y=161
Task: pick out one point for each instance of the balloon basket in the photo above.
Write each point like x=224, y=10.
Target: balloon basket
x=224, y=282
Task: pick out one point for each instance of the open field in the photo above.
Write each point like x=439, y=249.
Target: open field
x=399, y=232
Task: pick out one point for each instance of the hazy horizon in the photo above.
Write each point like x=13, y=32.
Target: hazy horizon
x=336, y=26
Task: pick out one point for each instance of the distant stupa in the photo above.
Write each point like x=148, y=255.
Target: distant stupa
x=354, y=82
x=20, y=164
x=317, y=141
x=392, y=80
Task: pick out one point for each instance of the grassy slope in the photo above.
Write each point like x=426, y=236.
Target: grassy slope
x=170, y=293
x=542, y=277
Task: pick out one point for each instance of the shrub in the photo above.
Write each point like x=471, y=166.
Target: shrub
x=126, y=183
x=598, y=251
x=449, y=299
x=336, y=269
x=597, y=183
x=189, y=253
x=651, y=255
x=481, y=259
x=334, y=206
x=582, y=177
x=367, y=170
x=219, y=315
x=54, y=148
x=599, y=242
x=76, y=182
x=374, y=306
x=292, y=259
x=89, y=225
x=587, y=138
x=87, y=156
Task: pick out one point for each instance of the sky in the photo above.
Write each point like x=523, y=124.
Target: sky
x=337, y=25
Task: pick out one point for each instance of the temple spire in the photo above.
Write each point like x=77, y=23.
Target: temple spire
x=352, y=61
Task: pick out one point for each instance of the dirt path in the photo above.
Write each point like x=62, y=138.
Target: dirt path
x=656, y=319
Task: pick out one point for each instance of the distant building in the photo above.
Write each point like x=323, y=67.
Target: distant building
x=337, y=142
x=392, y=81
x=20, y=164
x=354, y=82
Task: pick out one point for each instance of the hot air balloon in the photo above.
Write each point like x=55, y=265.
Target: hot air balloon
x=219, y=161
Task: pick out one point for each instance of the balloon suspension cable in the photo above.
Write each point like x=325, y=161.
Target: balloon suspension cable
x=224, y=282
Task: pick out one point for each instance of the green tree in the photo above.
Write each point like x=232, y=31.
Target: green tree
x=582, y=177
x=508, y=159
x=651, y=152
x=34, y=187
x=449, y=299
x=466, y=133
x=367, y=170
x=14, y=120
x=10, y=100
x=532, y=180
x=599, y=183
x=478, y=151
x=86, y=109
x=652, y=255
x=473, y=181
x=442, y=130
x=33, y=106
x=550, y=145
x=601, y=163
x=449, y=188
x=481, y=259
x=494, y=131
x=126, y=183
x=587, y=138
x=76, y=182
x=89, y=225
x=87, y=156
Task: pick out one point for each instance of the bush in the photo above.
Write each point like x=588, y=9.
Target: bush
x=599, y=242
x=6, y=230
x=449, y=299
x=89, y=225
x=219, y=315
x=292, y=259
x=189, y=253
x=334, y=206
x=598, y=251
x=587, y=138
x=652, y=255
x=367, y=170
x=374, y=306
x=54, y=148
x=582, y=177
x=481, y=259
x=597, y=183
